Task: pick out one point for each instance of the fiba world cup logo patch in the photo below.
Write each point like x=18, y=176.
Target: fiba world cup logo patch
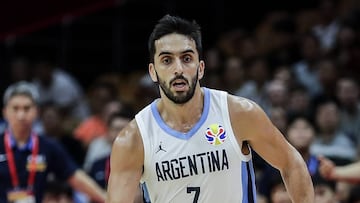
x=215, y=134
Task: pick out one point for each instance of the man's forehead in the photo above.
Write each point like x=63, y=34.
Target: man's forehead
x=174, y=43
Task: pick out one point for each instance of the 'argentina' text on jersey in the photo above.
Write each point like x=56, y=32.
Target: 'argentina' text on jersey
x=195, y=164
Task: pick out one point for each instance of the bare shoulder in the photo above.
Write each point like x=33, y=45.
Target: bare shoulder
x=246, y=116
x=127, y=151
x=241, y=105
x=129, y=137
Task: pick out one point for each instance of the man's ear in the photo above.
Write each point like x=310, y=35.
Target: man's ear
x=201, y=69
x=152, y=72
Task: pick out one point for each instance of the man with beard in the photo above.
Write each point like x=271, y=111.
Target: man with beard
x=193, y=144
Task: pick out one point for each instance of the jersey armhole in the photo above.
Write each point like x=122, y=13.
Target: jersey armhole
x=141, y=126
x=236, y=145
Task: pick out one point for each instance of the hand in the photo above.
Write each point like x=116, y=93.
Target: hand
x=326, y=168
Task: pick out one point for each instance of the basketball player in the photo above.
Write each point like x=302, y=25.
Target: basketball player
x=193, y=143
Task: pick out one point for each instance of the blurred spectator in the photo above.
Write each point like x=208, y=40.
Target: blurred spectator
x=331, y=141
x=304, y=70
x=342, y=191
x=325, y=191
x=277, y=96
x=279, y=118
x=300, y=133
x=101, y=146
x=95, y=126
x=345, y=177
x=284, y=74
x=53, y=120
x=278, y=193
x=347, y=92
x=332, y=171
x=57, y=86
x=328, y=26
x=299, y=102
x=19, y=70
x=327, y=75
x=255, y=87
x=58, y=192
x=347, y=51
x=34, y=157
x=233, y=74
x=97, y=167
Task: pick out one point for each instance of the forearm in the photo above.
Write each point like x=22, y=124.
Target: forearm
x=123, y=188
x=82, y=182
x=298, y=182
x=349, y=173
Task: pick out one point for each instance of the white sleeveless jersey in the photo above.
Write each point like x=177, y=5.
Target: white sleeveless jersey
x=203, y=165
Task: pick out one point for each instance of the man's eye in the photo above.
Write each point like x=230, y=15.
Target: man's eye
x=187, y=59
x=166, y=60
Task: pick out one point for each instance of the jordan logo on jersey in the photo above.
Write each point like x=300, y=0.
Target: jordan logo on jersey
x=160, y=148
x=215, y=134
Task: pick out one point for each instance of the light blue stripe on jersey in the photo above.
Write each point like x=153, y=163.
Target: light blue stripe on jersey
x=245, y=182
x=253, y=179
x=193, y=130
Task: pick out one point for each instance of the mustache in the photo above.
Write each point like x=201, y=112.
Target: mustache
x=179, y=77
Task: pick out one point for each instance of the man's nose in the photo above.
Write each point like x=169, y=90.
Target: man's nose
x=178, y=65
x=20, y=115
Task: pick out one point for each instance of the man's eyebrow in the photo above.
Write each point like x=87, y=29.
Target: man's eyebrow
x=164, y=53
x=183, y=52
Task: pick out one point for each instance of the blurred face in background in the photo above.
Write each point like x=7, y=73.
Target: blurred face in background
x=327, y=117
x=20, y=113
x=347, y=93
x=277, y=93
x=299, y=101
x=51, y=119
x=300, y=134
x=324, y=194
x=279, y=194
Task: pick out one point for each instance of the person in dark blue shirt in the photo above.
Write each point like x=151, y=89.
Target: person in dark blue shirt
x=26, y=158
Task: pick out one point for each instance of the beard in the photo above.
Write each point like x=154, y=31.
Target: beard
x=179, y=98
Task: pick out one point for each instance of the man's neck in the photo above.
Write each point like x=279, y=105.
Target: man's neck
x=182, y=117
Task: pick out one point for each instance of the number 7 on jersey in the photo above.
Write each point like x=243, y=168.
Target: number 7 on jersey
x=197, y=192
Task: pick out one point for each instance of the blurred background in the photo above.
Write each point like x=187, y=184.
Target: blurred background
x=94, y=36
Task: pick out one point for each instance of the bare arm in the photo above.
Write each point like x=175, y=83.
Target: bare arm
x=250, y=123
x=82, y=182
x=348, y=173
x=126, y=163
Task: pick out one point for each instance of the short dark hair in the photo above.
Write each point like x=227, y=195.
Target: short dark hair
x=174, y=24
